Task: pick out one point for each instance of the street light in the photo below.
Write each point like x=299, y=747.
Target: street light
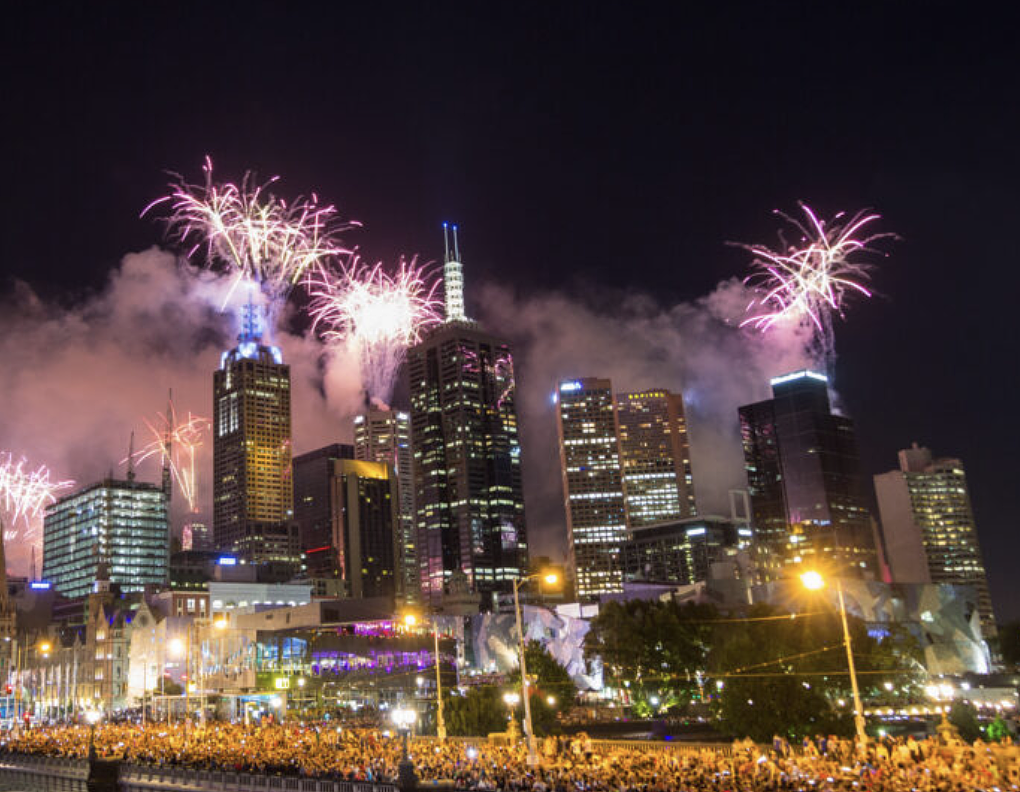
x=813, y=581
x=410, y=620
x=92, y=716
x=550, y=578
x=404, y=719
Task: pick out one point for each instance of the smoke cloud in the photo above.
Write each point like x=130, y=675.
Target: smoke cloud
x=696, y=348
x=79, y=378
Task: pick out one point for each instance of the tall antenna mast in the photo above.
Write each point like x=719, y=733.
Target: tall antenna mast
x=131, y=457
x=453, y=277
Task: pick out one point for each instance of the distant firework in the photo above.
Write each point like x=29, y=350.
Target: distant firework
x=176, y=441
x=812, y=279
x=501, y=372
x=25, y=492
x=256, y=236
x=377, y=314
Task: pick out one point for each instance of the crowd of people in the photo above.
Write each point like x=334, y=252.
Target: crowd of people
x=568, y=764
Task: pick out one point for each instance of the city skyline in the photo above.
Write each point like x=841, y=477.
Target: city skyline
x=588, y=257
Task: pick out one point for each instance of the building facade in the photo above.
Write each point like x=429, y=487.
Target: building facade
x=366, y=528
x=253, y=493
x=382, y=435
x=468, y=500
x=315, y=507
x=121, y=523
x=593, y=490
x=656, y=457
x=928, y=527
x=804, y=480
x=682, y=552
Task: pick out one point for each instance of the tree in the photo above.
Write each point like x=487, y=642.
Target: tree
x=998, y=729
x=478, y=712
x=552, y=690
x=964, y=717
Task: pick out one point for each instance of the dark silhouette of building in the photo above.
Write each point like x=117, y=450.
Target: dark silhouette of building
x=315, y=507
x=467, y=458
x=252, y=486
x=804, y=480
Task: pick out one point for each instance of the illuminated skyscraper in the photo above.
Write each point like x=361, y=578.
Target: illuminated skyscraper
x=804, y=479
x=656, y=457
x=253, y=493
x=928, y=526
x=592, y=484
x=122, y=524
x=467, y=458
x=385, y=436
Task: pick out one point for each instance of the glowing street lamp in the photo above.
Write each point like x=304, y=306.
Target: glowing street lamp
x=93, y=716
x=551, y=579
x=410, y=620
x=404, y=718
x=813, y=581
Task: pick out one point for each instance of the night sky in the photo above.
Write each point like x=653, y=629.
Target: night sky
x=591, y=148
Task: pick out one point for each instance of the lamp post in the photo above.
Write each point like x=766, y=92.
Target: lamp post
x=552, y=579
x=92, y=716
x=410, y=620
x=404, y=720
x=813, y=581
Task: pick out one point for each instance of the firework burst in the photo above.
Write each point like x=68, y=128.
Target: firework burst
x=809, y=281
x=250, y=232
x=175, y=441
x=376, y=314
x=500, y=372
x=25, y=492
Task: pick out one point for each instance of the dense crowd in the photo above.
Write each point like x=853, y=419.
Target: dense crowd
x=573, y=764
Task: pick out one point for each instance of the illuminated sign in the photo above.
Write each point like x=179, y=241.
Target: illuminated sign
x=281, y=683
x=40, y=585
x=695, y=531
x=227, y=561
x=573, y=385
x=805, y=374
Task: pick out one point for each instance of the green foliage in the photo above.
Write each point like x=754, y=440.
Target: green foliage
x=997, y=729
x=964, y=718
x=479, y=712
x=551, y=683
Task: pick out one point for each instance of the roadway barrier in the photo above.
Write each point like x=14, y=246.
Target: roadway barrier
x=43, y=773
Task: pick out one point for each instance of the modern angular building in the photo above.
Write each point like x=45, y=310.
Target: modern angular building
x=804, y=480
x=928, y=528
x=593, y=490
x=121, y=524
x=656, y=457
x=468, y=497
x=682, y=552
x=316, y=507
x=383, y=435
x=253, y=496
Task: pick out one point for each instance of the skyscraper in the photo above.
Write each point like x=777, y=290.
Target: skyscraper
x=592, y=484
x=804, y=479
x=252, y=488
x=467, y=458
x=656, y=457
x=928, y=526
x=120, y=524
x=316, y=507
x=383, y=435
x=366, y=527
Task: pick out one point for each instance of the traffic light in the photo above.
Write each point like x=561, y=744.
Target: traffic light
x=8, y=689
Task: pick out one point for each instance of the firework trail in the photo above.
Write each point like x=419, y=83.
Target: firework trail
x=811, y=280
x=500, y=371
x=24, y=495
x=176, y=443
x=376, y=314
x=253, y=234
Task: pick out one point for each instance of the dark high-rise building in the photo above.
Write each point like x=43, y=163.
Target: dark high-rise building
x=366, y=527
x=592, y=484
x=467, y=458
x=928, y=527
x=120, y=524
x=804, y=480
x=252, y=488
x=384, y=435
x=683, y=551
x=315, y=507
x=656, y=457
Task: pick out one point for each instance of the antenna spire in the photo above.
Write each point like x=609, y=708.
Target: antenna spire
x=453, y=278
x=131, y=457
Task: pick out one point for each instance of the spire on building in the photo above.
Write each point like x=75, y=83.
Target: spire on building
x=131, y=457
x=453, y=276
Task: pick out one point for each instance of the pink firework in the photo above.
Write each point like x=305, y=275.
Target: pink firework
x=500, y=372
x=25, y=492
x=250, y=232
x=176, y=442
x=376, y=314
x=811, y=280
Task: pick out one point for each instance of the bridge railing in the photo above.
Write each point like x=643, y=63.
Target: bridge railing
x=50, y=773
x=146, y=778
